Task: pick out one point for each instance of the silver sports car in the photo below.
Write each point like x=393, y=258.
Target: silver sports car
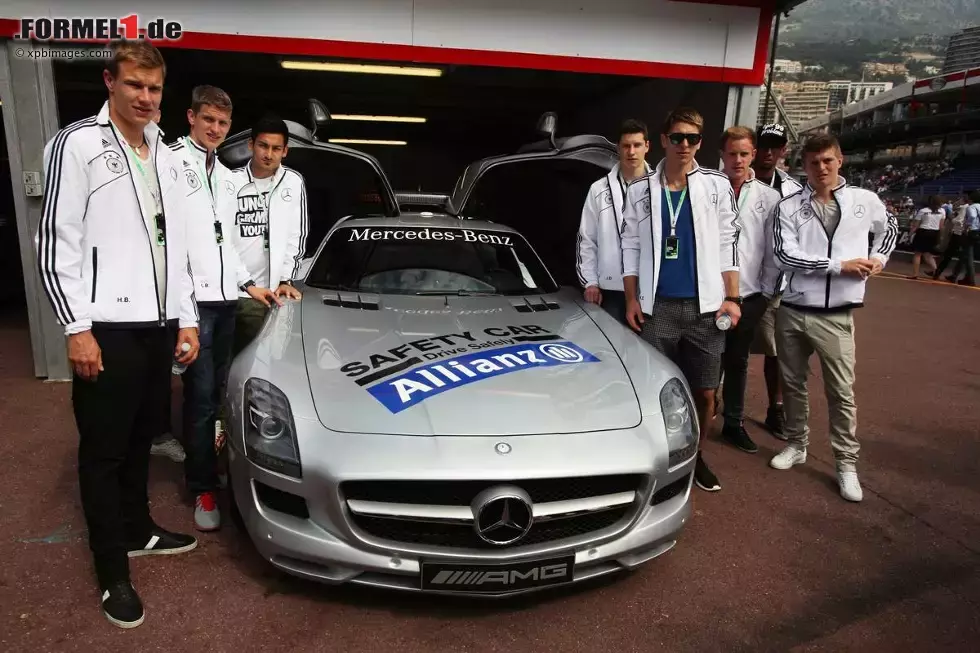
x=439, y=414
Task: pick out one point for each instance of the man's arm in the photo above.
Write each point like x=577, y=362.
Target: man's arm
x=635, y=211
x=729, y=230
x=884, y=226
x=296, y=243
x=61, y=232
x=586, y=261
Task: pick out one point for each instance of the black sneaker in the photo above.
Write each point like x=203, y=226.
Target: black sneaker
x=121, y=605
x=163, y=542
x=776, y=421
x=738, y=436
x=703, y=476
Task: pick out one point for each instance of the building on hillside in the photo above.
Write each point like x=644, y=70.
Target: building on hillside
x=875, y=68
x=963, y=50
x=805, y=105
x=787, y=67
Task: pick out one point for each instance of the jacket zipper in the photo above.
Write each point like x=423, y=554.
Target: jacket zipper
x=268, y=230
x=95, y=270
x=149, y=240
x=166, y=248
x=694, y=241
x=830, y=246
x=221, y=246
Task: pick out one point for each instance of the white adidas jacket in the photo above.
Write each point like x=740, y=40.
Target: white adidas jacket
x=94, y=251
x=812, y=260
x=288, y=221
x=716, y=233
x=216, y=268
x=599, y=260
x=758, y=272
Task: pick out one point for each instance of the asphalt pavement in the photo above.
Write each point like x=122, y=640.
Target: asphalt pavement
x=775, y=561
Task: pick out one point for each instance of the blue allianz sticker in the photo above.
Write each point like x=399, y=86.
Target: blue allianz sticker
x=417, y=385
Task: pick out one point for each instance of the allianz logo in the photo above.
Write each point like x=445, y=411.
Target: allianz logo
x=412, y=387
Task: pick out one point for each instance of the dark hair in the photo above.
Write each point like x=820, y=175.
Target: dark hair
x=934, y=202
x=633, y=126
x=686, y=115
x=270, y=124
x=975, y=196
x=820, y=143
x=212, y=95
x=142, y=53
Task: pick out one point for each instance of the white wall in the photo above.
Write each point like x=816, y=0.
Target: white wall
x=661, y=38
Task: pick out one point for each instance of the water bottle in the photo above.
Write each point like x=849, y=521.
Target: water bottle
x=724, y=322
x=180, y=368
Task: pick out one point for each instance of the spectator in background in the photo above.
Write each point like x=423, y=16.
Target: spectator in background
x=925, y=229
x=771, y=145
x=954, y=237
x=969, y=242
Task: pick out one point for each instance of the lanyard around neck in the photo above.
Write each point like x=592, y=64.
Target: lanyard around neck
x=670, y=206
x=138, y=163
x=204, y=169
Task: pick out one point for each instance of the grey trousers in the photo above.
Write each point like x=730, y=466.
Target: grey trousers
x=800, y=334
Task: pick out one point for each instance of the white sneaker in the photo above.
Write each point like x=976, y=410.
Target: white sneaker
x=170, y=449
x=850, y=487
x=788, y=457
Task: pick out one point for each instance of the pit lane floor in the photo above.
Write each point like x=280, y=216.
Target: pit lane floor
x=776, y=561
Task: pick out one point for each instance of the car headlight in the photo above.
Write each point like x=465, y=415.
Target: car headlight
x=680, y=421
x=270, y=433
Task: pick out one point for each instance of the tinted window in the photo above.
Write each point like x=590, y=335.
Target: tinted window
x=542, y=199
x=429, y=260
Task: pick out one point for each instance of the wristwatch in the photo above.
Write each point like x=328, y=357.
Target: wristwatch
x=245, y=286
x=734, y=300
x=286, y=282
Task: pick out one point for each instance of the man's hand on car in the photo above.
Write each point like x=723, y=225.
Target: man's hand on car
x=85, y=355
x=264, y=295
x=634, y=315
x=593, y=295
x=287, y=291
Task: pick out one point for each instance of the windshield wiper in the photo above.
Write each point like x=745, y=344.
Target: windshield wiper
x=459, y=293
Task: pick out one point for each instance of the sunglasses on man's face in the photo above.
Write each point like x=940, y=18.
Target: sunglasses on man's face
x=679, y=137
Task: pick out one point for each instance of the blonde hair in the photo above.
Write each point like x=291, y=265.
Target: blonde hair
x=737, y=133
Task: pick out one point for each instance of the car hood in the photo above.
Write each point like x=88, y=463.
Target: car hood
x=462, y=366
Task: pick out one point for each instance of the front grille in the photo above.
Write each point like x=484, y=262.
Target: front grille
x=427, y=531
x=462, y=493
x=463, y=535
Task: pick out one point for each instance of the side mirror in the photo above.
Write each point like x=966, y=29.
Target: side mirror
x=547, y=125
x=319, y=116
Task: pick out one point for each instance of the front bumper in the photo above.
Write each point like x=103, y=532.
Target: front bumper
x=304, y=528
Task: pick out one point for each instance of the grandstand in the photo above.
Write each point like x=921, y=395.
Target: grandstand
x=919, y=139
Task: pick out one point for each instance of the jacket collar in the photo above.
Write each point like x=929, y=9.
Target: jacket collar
x=843, y=199
x=152, y=130
x=199, y=153
x=614, y=175
x=663, y=162
x=841, y=183
x=275, y=177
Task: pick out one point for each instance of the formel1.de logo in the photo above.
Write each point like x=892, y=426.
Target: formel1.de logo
x=98, y=29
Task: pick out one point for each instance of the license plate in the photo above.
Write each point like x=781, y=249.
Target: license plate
x=496, y=578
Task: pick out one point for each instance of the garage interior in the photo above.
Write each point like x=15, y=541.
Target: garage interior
x=469, y=112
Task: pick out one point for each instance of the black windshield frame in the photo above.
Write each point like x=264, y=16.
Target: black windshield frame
x=427, y=260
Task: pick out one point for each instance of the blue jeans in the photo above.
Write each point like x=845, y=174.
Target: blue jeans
x=614, y=302
x=204, y=386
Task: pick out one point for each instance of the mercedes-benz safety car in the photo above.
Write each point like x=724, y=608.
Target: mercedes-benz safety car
x=439, y=413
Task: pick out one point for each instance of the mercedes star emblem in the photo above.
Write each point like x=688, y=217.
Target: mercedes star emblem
x=503, y=515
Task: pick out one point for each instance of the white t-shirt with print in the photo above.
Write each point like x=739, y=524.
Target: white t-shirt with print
x=252, y=223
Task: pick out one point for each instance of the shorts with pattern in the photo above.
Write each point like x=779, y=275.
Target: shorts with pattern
x=765, y=334
x=689, y=338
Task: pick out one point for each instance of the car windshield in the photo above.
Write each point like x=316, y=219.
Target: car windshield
x=429, y=260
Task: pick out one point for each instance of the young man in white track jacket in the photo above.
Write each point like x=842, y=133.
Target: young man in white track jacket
x=599, y=261
x=821, y=242
x=680, y=264
x=771, y=148
x=270, y=224
x=757, y=274
x=112, y=257
x=218, y=273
